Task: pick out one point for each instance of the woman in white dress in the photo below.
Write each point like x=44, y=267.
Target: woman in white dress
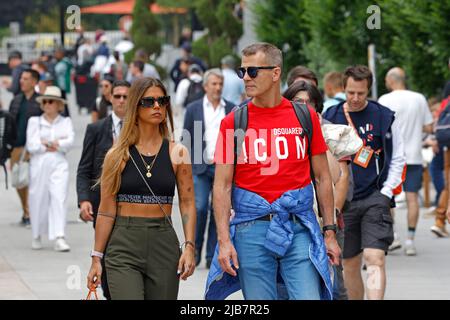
x=49, y=138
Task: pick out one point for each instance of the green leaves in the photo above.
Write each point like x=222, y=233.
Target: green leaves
x=329, y=35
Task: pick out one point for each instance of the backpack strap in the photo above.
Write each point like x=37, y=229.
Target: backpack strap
x=240, y=127
x=304, y=117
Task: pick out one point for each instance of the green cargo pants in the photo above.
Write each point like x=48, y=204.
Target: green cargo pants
x=142, y=259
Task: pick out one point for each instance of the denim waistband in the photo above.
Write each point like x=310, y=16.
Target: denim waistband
x=142, y=221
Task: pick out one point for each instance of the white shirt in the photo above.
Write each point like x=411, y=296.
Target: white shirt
x=398, y=161
x=411, y=114
x=212, y=120
x=39, y=128
x=233, y=86
x=183, y=88
x=117, y=126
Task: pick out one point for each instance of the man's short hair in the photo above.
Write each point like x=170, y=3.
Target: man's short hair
x=15, y=55
x=139, y=64
x=215, y=71
x=120, y=83
x=301, y=72
x=358, y=73
x=273, y=55
x=34, y=74
x=334, y=78
x=228, y=61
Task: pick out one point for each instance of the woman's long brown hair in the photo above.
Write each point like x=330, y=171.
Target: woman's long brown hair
x=129, y=135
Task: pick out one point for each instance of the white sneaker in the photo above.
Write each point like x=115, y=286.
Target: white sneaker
x=396, y=244
x=36, y=244
x=410, y=248
x=61, y=245
x=440, y=232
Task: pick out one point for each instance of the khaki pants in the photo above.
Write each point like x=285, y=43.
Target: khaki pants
x=23, y=193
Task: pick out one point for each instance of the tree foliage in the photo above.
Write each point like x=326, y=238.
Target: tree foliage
x=224, y=30
x=332, y=34
x=144, y=30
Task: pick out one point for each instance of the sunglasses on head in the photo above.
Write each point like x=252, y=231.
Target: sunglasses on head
x=48, y=101
x=118, y=96
x=149, y=102
x=252, y=71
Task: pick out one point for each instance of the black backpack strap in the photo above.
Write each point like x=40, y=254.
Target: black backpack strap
x=240, y=126
x=304, y=117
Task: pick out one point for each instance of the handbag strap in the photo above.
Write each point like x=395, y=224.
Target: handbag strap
x=150, y=189
x=92, y=290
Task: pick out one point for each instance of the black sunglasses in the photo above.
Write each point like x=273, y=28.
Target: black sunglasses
x=118, y=96
x=149, y=102
x=252, y=71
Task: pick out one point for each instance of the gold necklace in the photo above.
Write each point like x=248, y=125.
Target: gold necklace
x=147, y=166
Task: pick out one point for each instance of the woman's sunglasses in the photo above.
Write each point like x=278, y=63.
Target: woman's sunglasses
x=252, y=71
x=149, y=102
x=48, y=101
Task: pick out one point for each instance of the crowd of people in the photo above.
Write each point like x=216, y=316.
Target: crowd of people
x=295, y=187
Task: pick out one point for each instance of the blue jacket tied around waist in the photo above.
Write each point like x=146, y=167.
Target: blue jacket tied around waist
x=249, y=206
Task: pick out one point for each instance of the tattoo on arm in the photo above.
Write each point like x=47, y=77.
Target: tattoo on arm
x=184, y=218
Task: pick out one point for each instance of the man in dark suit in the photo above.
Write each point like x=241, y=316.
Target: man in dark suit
x=98, y=139
x=203, y=117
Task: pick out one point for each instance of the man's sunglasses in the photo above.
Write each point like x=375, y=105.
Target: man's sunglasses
x=118, y=96
x=149, y=102
x=252, y=71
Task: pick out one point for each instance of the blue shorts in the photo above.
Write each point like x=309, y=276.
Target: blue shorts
x=413, y=181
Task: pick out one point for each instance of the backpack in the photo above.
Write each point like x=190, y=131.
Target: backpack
x=195, y=92
x=7, y=139
x=442, y=130
x=304, y=118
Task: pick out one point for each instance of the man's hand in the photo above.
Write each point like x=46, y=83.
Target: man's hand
x=333, y=249
x=86, y=213
x=227, y=252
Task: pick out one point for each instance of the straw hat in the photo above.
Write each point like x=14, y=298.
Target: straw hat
x=51, y=93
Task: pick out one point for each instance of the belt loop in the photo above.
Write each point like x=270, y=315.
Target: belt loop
x=128, y=221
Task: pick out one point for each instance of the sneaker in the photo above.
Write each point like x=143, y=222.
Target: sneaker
x=25, y=222
x=396, y=244
x=410, y=248
x=61, y=245
x=440, y=232
x=36, y=244
x=430, y=212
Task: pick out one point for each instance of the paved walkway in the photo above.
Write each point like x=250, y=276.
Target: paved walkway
x=46, y=274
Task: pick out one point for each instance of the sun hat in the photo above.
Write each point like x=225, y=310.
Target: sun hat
x=51, y=93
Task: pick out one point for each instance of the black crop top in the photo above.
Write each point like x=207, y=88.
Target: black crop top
x=162, y=182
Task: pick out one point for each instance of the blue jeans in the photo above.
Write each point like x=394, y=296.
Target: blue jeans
x=258, y=267
x=203, y=186
x=437, y=173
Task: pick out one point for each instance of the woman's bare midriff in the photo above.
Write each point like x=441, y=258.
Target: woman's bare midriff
x=126, y=209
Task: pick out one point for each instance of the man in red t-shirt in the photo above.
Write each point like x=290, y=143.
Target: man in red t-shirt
x=273, y=161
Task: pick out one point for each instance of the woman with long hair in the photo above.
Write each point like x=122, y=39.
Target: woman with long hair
x=143, y=257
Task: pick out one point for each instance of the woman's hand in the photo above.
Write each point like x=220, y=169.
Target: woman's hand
x=186, y=265
x=94, y=278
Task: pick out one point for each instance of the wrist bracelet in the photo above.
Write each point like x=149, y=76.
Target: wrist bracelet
x=97, y=254
x=186, y=243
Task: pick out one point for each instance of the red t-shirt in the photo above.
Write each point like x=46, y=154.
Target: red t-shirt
x=270, y=131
